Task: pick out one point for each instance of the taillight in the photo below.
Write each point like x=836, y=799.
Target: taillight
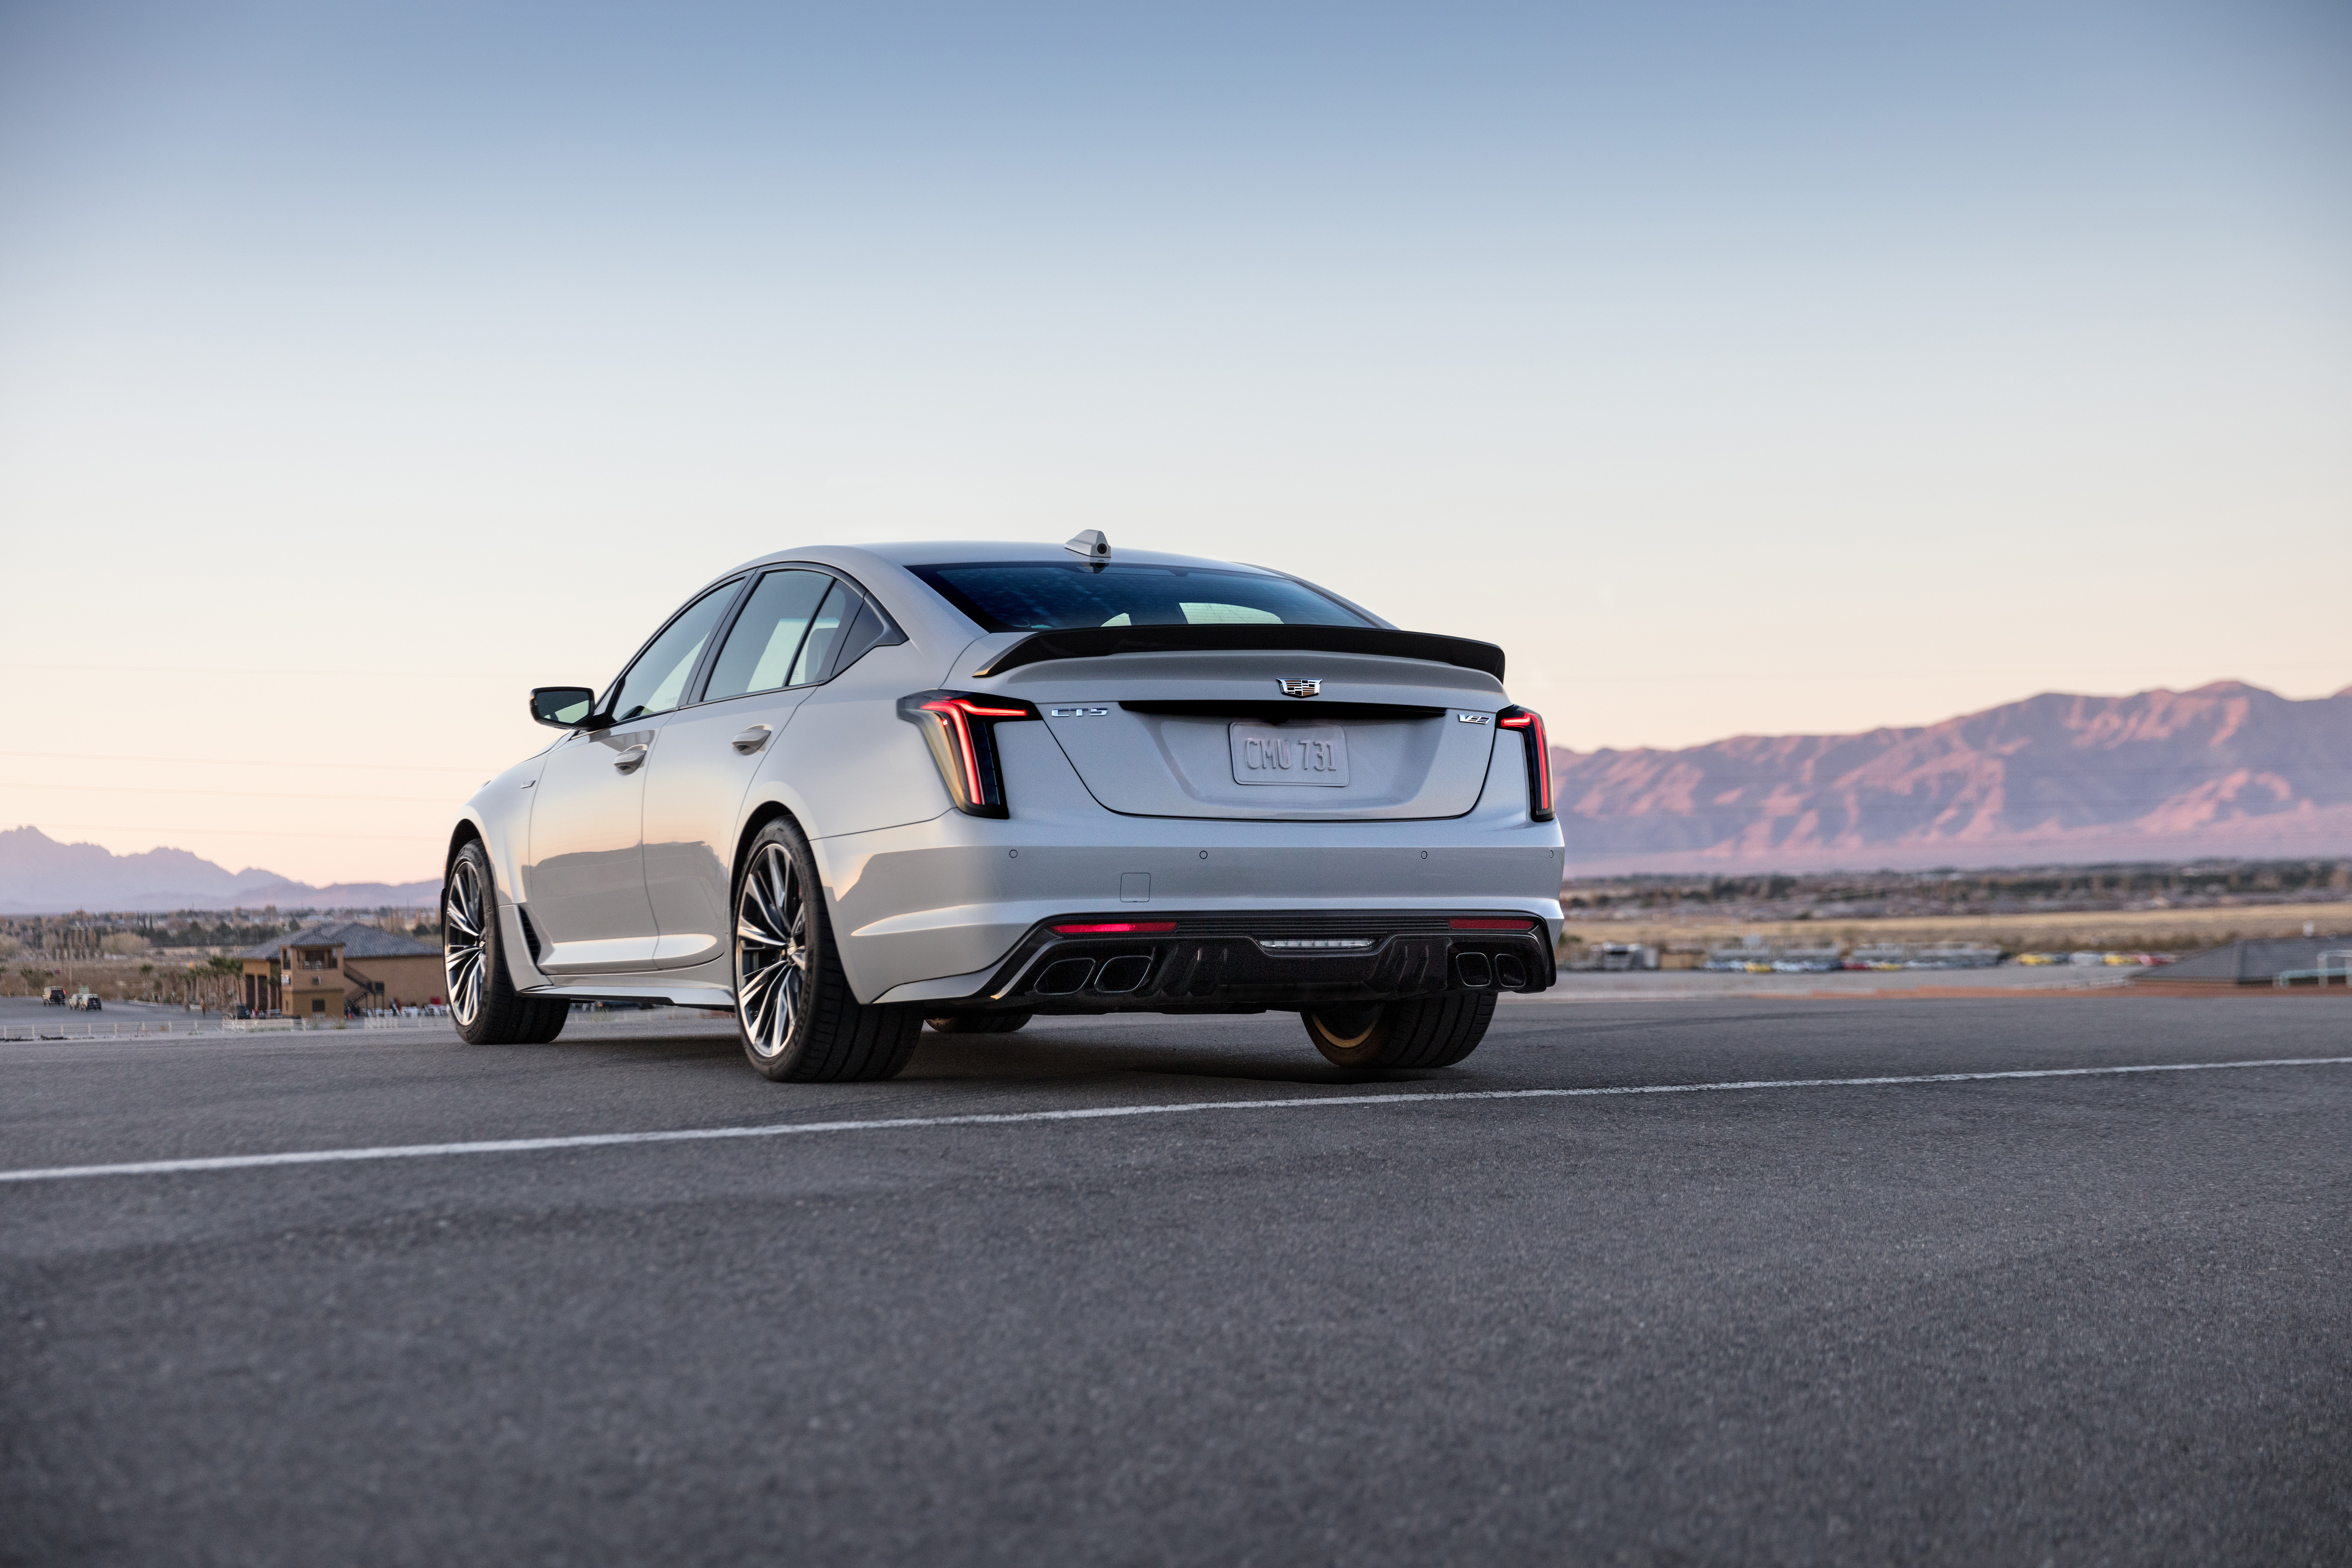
x=960, y=728
x=1529, y=723
x=1116, y=928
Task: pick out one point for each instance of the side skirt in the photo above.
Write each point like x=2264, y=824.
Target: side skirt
x=675, y=995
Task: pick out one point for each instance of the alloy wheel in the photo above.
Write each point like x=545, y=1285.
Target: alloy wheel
x=771, y=950
x=463, y=954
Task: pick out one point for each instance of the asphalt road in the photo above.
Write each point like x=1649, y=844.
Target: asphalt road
x=2067, y=1319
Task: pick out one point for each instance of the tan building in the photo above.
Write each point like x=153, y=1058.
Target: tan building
x=327, y=968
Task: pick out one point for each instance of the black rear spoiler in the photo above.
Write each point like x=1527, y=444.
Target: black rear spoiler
x=1100, y=642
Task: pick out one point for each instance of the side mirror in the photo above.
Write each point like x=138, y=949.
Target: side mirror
x=562, y=707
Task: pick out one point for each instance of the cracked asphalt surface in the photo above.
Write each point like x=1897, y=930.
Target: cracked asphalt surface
x=2065, y=1321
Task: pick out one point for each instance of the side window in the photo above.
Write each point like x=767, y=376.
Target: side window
x=865, y=632
x=823, y=632
x=759, y=653
x=656, y=682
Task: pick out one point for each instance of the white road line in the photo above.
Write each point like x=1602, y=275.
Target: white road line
x=1091, y=1113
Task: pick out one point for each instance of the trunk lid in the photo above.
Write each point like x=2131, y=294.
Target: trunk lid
x=1212, y=734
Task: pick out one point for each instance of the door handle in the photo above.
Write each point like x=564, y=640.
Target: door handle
x=631, y=760
x=752, y=739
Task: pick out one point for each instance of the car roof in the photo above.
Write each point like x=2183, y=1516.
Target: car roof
x=926, y=552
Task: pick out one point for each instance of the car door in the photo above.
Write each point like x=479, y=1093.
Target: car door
x=584, y=880
x=781, y=641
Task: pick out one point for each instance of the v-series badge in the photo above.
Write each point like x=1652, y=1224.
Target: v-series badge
x=1476, y=717
x=1076, y=713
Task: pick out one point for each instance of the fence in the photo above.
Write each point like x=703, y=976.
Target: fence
x=2336, y=965
x=208, y=1028
x=218, y=1028
x=108, y=1031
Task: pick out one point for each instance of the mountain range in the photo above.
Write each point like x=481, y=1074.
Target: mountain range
x=2226, y=770
x=40, y=876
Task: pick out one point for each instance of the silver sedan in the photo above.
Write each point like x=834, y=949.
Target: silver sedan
x=842, y=792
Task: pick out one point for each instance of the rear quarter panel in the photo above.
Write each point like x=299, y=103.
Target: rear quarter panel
x=851, y=764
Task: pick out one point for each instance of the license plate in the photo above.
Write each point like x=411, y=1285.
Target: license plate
x=1289, y=753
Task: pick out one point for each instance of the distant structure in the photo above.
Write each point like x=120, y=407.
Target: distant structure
x=2258, y=962
x=311, y=972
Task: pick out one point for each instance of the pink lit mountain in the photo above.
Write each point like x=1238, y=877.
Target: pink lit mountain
x=2226, y=770
x=40, y=876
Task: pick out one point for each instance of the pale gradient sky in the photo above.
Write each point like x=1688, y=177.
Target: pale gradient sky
x=1737, y=368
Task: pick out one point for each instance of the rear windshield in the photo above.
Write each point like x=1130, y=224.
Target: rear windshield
x=1048, y=596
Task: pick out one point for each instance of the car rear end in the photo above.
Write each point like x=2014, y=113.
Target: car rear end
x=1217, y=814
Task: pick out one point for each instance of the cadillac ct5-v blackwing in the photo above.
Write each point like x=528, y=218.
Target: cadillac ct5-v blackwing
x=844, y=791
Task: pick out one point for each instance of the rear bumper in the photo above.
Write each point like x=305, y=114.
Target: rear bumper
x=932, y=911
x=1225, y=960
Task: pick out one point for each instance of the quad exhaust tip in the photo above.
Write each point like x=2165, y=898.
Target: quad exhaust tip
x=1068, y=976
x=1478, y=970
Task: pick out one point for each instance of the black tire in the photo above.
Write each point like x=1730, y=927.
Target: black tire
x=980, y=1023
x=1426, y=1032
x=483, y=1001
x=798, y=1019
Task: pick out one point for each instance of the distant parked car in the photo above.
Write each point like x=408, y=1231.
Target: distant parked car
x=54, y=996
x=83, y=1002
